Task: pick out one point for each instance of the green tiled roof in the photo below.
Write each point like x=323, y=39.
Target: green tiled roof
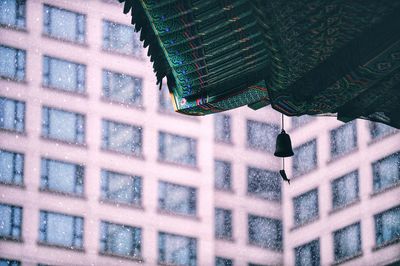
x=333, y=57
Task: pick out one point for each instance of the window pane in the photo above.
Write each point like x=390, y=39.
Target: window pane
x=222, y=128
x=176, y=198
x=165, y=100
x=121, y=240
x=387, y=226
x=347, y=241
x=308, y=254
x=223, y=262
x=379, y=130
x=122, y=88
x=223, y=223
x=12, y=63
x=8, y=262
x=345, y=189
x=298, y=121
x=62, y=177
x=10, y=221
x=64, y=24
x=121, y=188
x=386, y=172
x=305, y=207
x=121, y=38
x=122, y=138
x=177, y=250
x=261, y=136
x=265, y=232
x=12, y=115
x=305, y=158
x=11, y=167
x=222, y=173
x=343, y=139
x=263, y=183
x=177, y=149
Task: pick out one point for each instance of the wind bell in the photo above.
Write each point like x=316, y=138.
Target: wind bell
x=283, y=149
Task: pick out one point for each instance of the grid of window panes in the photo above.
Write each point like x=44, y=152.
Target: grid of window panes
x=379, y=130
x=10, y=222
x=121, y=188
x=63, y=125
x=121, y=137
x=263, y=183
x=343, y=139
x=222, y=128
x=305, y=207
x=265, y=232
x=223, y=223
x=345, y=190
x=222, y=175
x=64, y=24
x=64, y=75
x=121, y=39
x=347, y=242
x=219, y=261
x=63, y=177
x=387, y=226
x=308, y=254
x=61, y=230
x=177, y=149
x=122, y=88
x=120, y=240
x=12, y=63
x=176, y=249
x=13, y=13
x=261, y=136
x=177, y=198
x=12, y=115
x=304, y=158
x=11, y=167
x=386, y=172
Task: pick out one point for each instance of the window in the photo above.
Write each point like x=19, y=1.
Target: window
x=122, y=240
x=222, y=128
x=61, y=230
x=121, y=188
x=265, y=232
x=13, y=13
x=176, y=249
x=223, y=223
x=386, y=172
x=122, y=138
x=122, y=88
x=64, y=24
x=387, y=226
x=223, y=173
x=223, y=262
x=11, y=168
x=12, y=63
x=61, y=177
x=344, y=190
x=379, y=130
x=121, y=39
x=261, y=136
x=308, y=254
x=165, y=101
x=305, y=158
x=176, y=198
x=343, y=139
x=298, y=121
x=8, y=262
x=177, y=149
x=347, y=242
x=10, y=221
x=63, y=75
x=263, y=183
x=62, y=125
x=306, y=207
x=12, y=115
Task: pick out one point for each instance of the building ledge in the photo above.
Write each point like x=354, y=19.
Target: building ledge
x=12, y=185
x=191, y=167
x=15, y=28
x=279, y=250
x=64, y=142
x=264, y=199
x=67, y=92
x=121, y=204
x=299, y=175
x=121, y=104
x=45, y=244
x=297, y=226
x=179, y=215
x=381, y=191
x=79, y=44
x=113, y=255
x=129, y=155
x=140, y=58
x=353, y=257
x=13, y=132
x=225, y=239
x=11, y=239
x=63, y=194
x=348, y=205
x=227, y=191
x=386, y=244
x=378, y=139
x=23, y=81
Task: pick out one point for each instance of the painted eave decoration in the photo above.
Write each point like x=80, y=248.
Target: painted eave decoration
x=315, y=57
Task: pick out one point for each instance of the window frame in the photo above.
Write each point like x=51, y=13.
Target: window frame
x=227, y=224
x=278, y=246
x=333, y=139
x=297, y=210
x=16, y=214
x=295, y=171
x=15, y=172
x=335, y=188
x=268, y=127
x=192, y=151
x=20, y=16
x=191, y=201
x=19, y=115
x=378, y=227
x=226, y=128
x=226, y=186
x=313, y=244
x=377, y=186
x=162, y=238
x=268, y=174
x=336, y=236
x=19, y=66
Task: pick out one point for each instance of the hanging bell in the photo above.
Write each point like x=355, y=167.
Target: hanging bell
x=283, y=146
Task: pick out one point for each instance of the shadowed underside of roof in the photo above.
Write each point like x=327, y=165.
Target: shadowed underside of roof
x=315, y=57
